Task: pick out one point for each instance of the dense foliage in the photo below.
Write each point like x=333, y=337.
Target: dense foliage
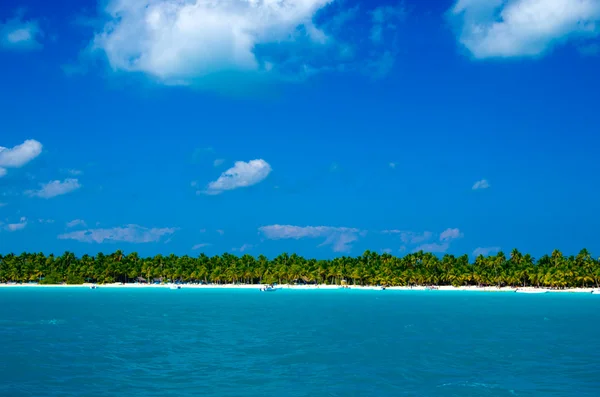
x=370, y=268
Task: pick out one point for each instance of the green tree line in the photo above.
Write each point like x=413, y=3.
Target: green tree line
x=371, y=268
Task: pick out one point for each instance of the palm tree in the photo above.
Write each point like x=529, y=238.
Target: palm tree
x=420, y=268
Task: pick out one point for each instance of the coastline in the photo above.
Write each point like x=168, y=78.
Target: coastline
x=307, y=287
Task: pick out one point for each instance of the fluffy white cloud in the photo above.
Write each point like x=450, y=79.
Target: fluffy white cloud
x=482, y=184
x=13, y=227
x=509, y=28
x=178, y=40
x=19, y=34
x=485, y=251
x=55, y=188
x=340, y=238
x=233, y=45
x=76, y=222
x=127, y=234
x=218, y=162
x=201, y=245
x=450, y=234
x=242, y=174
x=19, y=155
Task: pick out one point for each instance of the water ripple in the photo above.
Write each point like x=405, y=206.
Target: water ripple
x=243, y=343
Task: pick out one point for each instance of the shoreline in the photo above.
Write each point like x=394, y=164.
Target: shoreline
x=308, y=287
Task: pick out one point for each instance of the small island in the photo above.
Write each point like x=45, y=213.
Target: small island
x=419, y=270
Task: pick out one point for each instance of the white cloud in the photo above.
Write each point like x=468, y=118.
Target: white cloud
x=415, y=238
x=13, y=227
x=392, y=165
x=340, y=238
x=201, y=245
x=485, y=251
x=178, y=41
x=234, y=45
x=511, y=28
x=19, y=34
x=433, y=247
x=221, y=232
x=19, y=155
x=408, y=237
x=76, y=222
x=46, y=221
x=482, y=184
x=445, y=238
x=450, y=234
x=74, y=172
x=127, y=234
x=243, y=248
x=218, y=162
x=242, y=174
x=55, y=188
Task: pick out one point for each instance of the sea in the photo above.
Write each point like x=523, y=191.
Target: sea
x=219, y=342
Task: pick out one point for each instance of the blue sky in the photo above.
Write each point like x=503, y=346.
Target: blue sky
x=319, y=127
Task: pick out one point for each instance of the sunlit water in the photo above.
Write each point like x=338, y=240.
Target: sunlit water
x=120, y=342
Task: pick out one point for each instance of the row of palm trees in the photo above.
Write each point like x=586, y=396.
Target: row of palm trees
x=371, y=268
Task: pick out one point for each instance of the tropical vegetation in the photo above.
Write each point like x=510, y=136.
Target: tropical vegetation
x=419, y=268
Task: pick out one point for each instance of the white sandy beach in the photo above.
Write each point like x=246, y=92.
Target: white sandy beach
x=303, y=287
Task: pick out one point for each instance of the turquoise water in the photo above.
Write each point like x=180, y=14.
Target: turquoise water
x=114, y=342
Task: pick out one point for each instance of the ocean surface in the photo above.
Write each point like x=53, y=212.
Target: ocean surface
x=161, y=342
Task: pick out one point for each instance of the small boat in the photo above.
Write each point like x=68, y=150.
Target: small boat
x=530, y=291
x=93, y=286
x=174, y=286
x=268, y=288
x=596, y=291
